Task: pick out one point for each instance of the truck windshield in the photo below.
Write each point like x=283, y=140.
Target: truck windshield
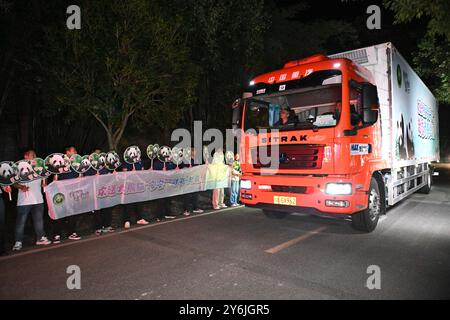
x=306, y=108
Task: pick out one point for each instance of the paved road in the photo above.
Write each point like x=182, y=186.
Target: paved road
x=240, y=254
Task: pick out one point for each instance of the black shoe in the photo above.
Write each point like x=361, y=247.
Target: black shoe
x=56, y=239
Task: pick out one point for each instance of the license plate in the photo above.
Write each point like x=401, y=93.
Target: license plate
x=287, y=201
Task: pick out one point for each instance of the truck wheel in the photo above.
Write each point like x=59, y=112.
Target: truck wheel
x=426, y=188
x=272, y=214
x=367, y=219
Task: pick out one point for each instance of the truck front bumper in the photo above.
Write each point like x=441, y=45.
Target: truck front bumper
x=298, y=193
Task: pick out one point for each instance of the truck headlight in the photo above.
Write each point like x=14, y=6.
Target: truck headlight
x=338, y=188
x=246, y=184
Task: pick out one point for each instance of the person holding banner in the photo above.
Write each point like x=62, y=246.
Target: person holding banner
x=103, y=217
x=236, y=173
x=2, y=222
x=30, y=201
x=190, y=200
x=70, y=223
x=218, y=193
x=130, y=208
x=164, y=205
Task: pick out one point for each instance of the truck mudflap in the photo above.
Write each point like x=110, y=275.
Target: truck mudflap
x=305, y=194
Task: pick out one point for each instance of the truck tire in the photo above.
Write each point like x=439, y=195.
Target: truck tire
x=426, y=188
x=272, y=214
x=367, y=219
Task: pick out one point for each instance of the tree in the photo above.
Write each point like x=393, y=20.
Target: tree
x=126, y=62
x=432, y=62
x=232, y=41
x=226, y=41
x=432, y=59
x=436, y=11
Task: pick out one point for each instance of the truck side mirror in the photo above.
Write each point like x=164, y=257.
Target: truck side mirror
x=236, y=119
x=370, y=104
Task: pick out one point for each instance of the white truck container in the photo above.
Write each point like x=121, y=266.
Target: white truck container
x=409, y=120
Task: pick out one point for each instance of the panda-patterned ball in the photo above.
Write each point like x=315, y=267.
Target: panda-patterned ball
x=112, y=160
x=8, y=173
x=164, y=154
x=57, y=163
x=25, y=171
x=132, y=155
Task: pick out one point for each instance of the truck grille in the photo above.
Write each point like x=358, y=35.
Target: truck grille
x=298, y=156
x=290, y=189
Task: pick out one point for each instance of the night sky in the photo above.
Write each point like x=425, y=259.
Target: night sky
x=403, y=36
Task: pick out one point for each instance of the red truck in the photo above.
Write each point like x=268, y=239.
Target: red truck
x=345, y=135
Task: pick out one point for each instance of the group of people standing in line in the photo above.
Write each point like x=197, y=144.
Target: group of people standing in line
x=30, y=201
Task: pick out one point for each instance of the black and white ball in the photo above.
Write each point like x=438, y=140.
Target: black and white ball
x=112, y=160
x=132, y=155
x=177, y=155
x=102, y=159
x=165, y=154
x=8, y=173
x=98, y=161
x=85, y=164
x=152, y=151
x=25, y=171
x=57, y=163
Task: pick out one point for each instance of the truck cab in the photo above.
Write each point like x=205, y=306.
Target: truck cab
x=340, y=135
x=311, y=141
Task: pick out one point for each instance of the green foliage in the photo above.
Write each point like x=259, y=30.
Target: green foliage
x=226, y=42
x=436, y=11
x=232, y=41
x=125, y=62
x=142, y=64
x=433, y=63
x=432, y=59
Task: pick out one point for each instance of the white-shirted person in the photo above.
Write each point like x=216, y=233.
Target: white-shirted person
x=30, y=201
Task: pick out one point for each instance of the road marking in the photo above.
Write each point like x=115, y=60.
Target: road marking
x=105, y=236
x=292, y=242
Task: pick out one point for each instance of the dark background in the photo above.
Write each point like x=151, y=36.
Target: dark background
x=30, y=117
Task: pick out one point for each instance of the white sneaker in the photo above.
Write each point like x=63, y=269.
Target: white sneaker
x=223, y=205
x=186, y=214
x=127, y=225
x=216, y=208
x=142, y=222
x=17, y=246
x=74, y=236
x=108, y=230
x=234, y=205
x=197, y=211
x=43, y=242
